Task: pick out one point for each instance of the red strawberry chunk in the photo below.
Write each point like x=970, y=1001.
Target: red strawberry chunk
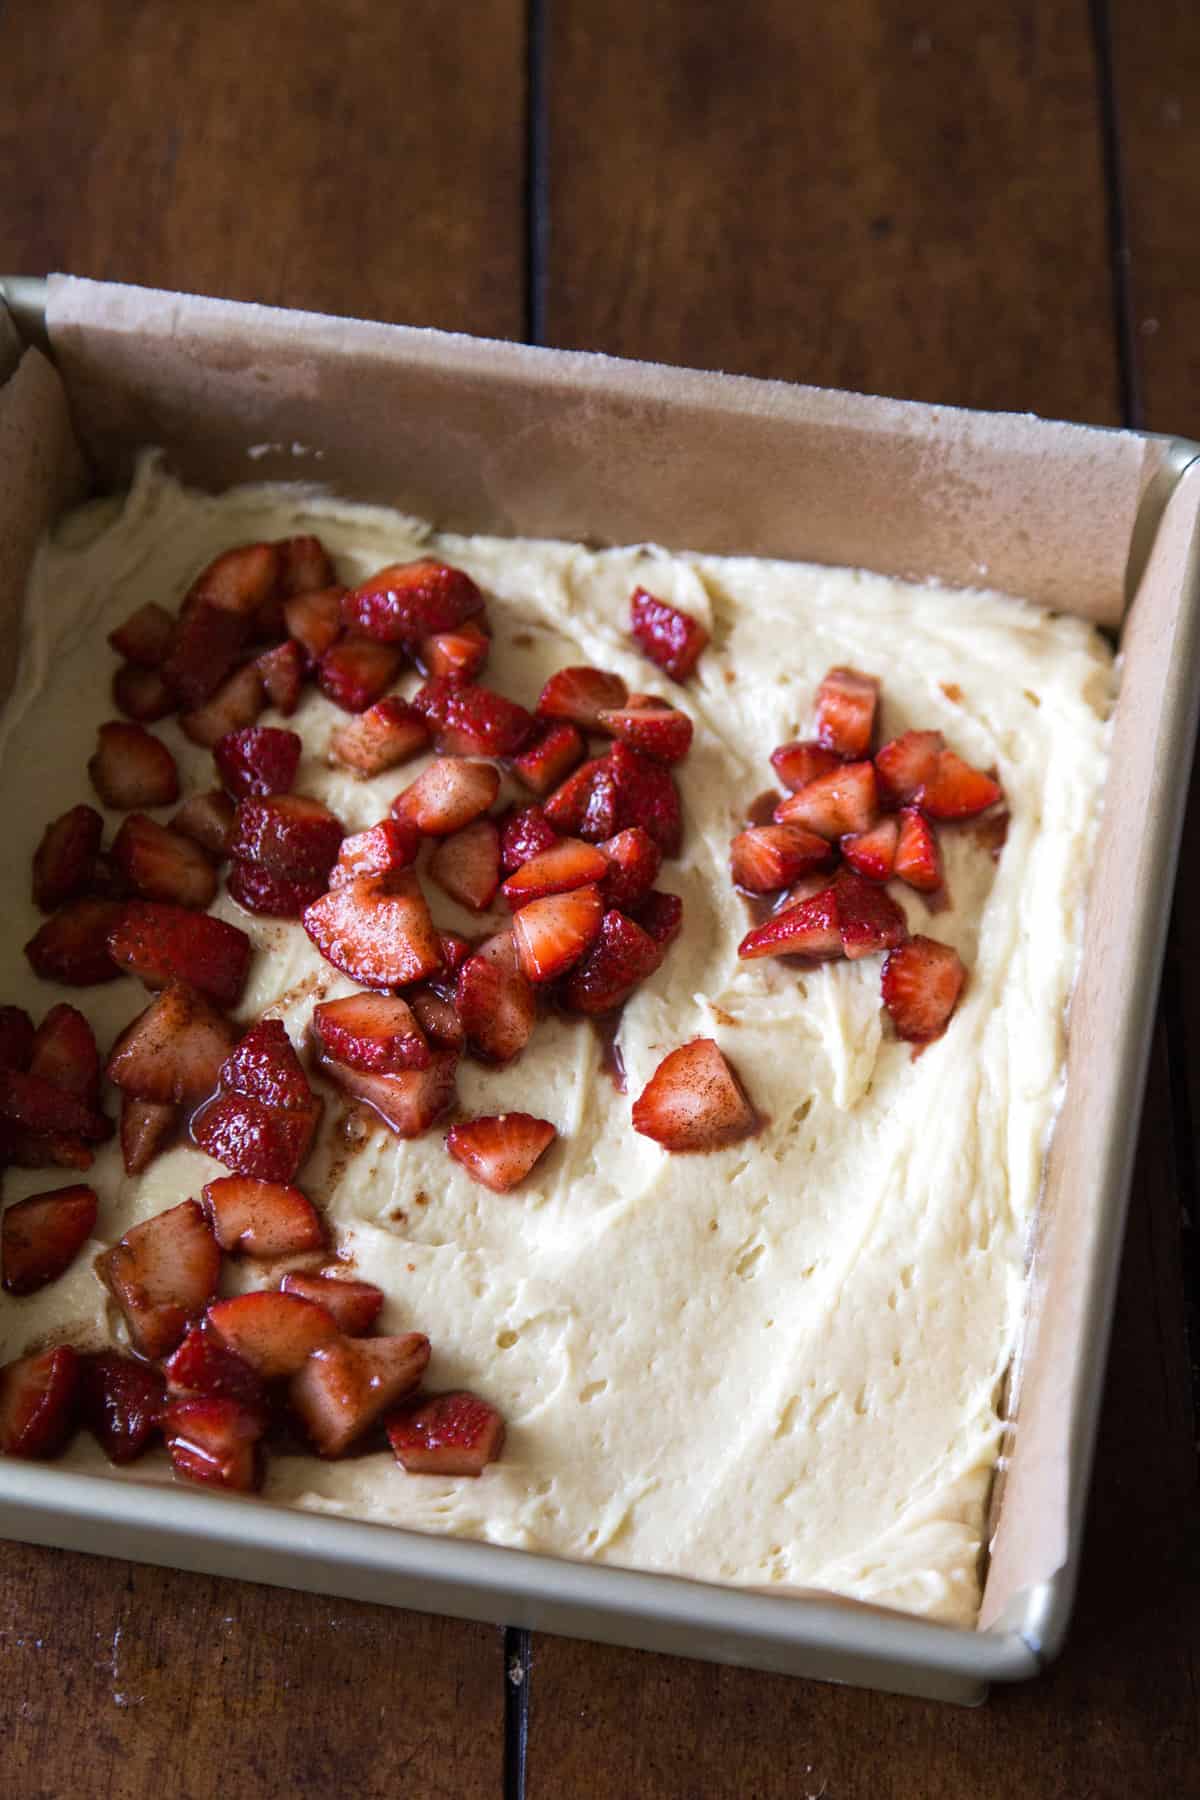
x=172, y=1053
x=466, y=865
x=581, y=695
x=455, y=951
x=549, y=757
x=146, y=1130
x=810, y=928
x=567, y=806
x=204, y=647
x=469, y=720
x=846, y=703
x=870, y=919
x=409, y=601
x=622, y=956
x=42, y=1236
x=142, y=694
x=922, y=981
x=163, y=865
x=263, y=1063
x=846, y=801
x=261, y=1218
x=27, y=1149
x=409, y=1102
x=661, y=918
x=63, y=1052
x=345, y=1386
x=600, y=819
x=462, y=653
x=797, y=764
x=447, y=795
x=872, y=854
x=162, y=1275
x=16, y=1037
x=160, y=944
x=439, y=1021
x=552, y=934
x=354, y=1304
x=370, y=1031
x=569, y=863
x=286, y=834
x=918, y=859
x=670, y=638
x=34, y=1104
x=237, y=581
x=908, y=762
x=355, y=672
x=523, y=835
x=499, y=1152
x=772, y=856
x=120, y=1403
x=694, y=1101
x=281, y=671
x=956, y=790
x=236, y=703
x=377, y=929
x=314, y=621
x=388, y=733
x=252, y=1138
x=207, y=819
x=646, y=795
x=145, y=637
x=446, y=1434
x=72, y=946
x=131, y=768
x=259, y=760
x=215, y=1441
x=204, y=1364
x=634, y=860
x=495, y=1001
x=272, y=896
x=273, y=1332
x=651, y=726
x=38, y=1402
x=304, y=566
x=383, y=849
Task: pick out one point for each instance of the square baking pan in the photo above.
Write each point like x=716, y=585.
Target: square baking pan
x=496, y=437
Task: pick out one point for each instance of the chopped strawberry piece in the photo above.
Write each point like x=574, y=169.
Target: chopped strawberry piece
x=922, y=981
x=409, y=1102
x=32, y=1103
x=437, y=1018
x=27, y=1149
x=236, y=704
x=409, y=601
x=160, y=944
x=567, y=806
x=377, y=929
x=215, y=1441
x=569, y=863
x=304, y=566
x=661, y=918
x=204, y=1364
x=908, y=762
x=797, y=764
x=455, y=951
x=670, y=638
x=42, y=1236
x=172, y=1053
x=356, y=672
x=370, y=1031
x=634, y=860
x=354, y=1304
x=694, y=1101
x=120, y=1403
x=254, y=1139
x=918, y=859
x=383, y=849
x=469, y=720
x=272, y=896
x=162, y=1274
x=499, y=1152
x=146, y=1130
x=38, y=1400
x=263, y=1063
x=272, y=1331
x=447, y=795
x=145, y=637
x=581, y=695
x=873, y=853
x=63, y=1052
x=771, y=856
x=261, y=1218
x=237, y=581
x=870, y=919
x=846, y=703
x=161, y=864
x=62, y=862
x=446, y=1434
x=646, y=795
x=281, y=671
x=207, y=819
x=345, y=1386
x=204, y=647
x=549, y=757
x=16, y=1037
x=142, y=694
x=652, y=726
x=462, y=653
x=259, y=760
x=72, y=946
x=286, y=834
x=388, y=733
x=495, y=1001
x=523, y=835
x=811, y=927
x=132, y=769
x=622, y=956
x=552, y=934
x=844, y=802
x=466, y=865
x=956, y=790
x=314, y=621
x=600, y=818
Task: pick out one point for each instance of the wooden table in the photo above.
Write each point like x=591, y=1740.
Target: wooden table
x=949, y=199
